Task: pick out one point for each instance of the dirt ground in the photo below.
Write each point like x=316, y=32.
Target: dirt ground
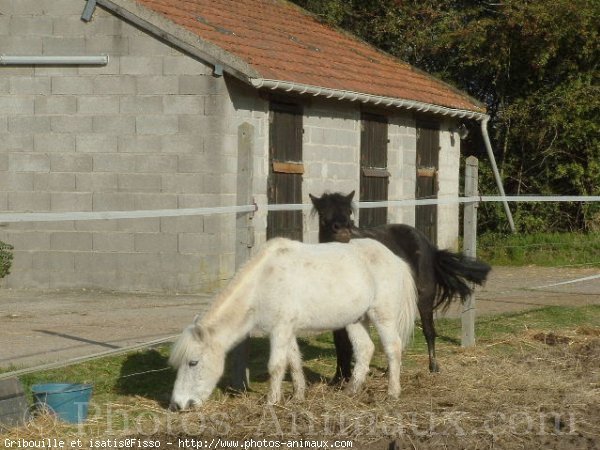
x=38, y=327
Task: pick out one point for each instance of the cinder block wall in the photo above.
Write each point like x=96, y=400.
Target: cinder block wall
x=449, y=172
x=154, y=129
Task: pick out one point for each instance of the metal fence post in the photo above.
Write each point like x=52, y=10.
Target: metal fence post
x=470, y=247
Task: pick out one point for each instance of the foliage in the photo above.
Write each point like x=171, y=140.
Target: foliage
x=5, y=259
x=542, y=249
x=535, y=66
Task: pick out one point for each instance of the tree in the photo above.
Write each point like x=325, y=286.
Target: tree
x=533, y=63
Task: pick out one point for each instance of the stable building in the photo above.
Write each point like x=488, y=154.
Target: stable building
x=138, y=105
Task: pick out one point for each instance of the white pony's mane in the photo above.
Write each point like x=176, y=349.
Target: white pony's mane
x=182, y=346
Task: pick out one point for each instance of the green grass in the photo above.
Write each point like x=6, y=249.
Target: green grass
x=542, y=249
x=145, y=374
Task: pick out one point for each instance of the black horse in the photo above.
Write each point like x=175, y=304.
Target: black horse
x=440, y=275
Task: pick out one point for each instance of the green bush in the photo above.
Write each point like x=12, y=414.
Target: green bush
x=5, y=259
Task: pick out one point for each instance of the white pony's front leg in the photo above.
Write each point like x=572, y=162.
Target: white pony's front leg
x=363, y=352
x=278, y=361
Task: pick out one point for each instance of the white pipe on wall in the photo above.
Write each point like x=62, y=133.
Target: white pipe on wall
x=10, y=60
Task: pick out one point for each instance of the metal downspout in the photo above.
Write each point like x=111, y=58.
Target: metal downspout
x=488, y=146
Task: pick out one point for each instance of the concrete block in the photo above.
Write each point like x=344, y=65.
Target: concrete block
x=98, y=104
x=142, y=44
x=141, y=65
x=63, y=46
x=200, y=85
x=114, y=162
x=156, y=85
x=70, y=163
x=72, y=85
x=70, y=201
x=30, y=240
x=151, y=225
x=114, y=124
x=113, y=201
x=113, y=242
x=183, y=104
x=71, y=124
x=157, y=124
x=71, y=241
x=96, y=182
x=201, y=125
x=29, y=201
x=101, y=26
x=198, y=243
x=54, y=261
x=185, y=65
x=28, y=162
x=19, y=45
x=114, y=85
x=155, y=242
x=29, y=85
x=54, y=143
x=156, y=163
x=96, y=143
x=3, y=164
x=19, y=181
x=184, y=224
x=115, y=46
x=154, y=201
x=183, y=183
x=182, y=143
x=29, y=124
x=30, y=26
x=194, y=163
x=96, y=225
x=55, y=104
x=135, y=182
x=139, y=144
x=13, y=403
x=12, y=105
x=4, y=85
x=144, y=104
x=53, y=182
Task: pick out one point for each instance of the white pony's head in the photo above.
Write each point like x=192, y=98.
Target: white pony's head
x=199, y=365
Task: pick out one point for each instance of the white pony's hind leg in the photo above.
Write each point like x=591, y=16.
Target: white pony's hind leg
x=278, y=361
x=363, y=352
x=392, y=346
x=295, y=362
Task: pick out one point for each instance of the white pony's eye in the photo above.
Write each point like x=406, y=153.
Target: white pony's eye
x=193, y=363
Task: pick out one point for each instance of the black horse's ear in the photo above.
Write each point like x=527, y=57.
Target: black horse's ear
x=350, y=196
x=315, y=200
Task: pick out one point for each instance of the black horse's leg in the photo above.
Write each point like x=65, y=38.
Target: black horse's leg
x=343, y=349
x=426, y=311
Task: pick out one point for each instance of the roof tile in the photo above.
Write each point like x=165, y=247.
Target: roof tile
x=282, y=42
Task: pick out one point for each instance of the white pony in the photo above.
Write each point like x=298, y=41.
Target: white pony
x=290, y=287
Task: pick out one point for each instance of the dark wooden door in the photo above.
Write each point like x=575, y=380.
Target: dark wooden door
x=285, y=170
x=374, y=176
x=428, y=149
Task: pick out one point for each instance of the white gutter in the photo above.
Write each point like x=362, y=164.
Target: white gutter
x=414, y=105
x=9, y=60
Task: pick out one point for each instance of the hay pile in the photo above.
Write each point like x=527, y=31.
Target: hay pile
x=530, y=391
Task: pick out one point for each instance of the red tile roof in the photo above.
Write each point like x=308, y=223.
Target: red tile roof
x=280, y=41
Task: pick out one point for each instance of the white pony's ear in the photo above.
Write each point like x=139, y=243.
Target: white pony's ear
x=201, y=332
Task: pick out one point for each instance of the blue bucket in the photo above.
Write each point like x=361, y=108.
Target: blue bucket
x=68, y=401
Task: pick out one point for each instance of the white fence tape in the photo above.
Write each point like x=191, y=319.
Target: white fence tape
x=153, y=213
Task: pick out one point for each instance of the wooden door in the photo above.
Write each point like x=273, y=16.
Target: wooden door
x=285, y=170
x=374, y=176
x=428, y=149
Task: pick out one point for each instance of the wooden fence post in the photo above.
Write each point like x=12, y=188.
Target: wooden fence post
x=470, y=246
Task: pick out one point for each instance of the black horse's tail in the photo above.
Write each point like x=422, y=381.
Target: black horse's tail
x=454, y=272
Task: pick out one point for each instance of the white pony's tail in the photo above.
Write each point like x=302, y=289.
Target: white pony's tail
x=409, y=310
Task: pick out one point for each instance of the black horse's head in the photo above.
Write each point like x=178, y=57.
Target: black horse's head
x=335, y=216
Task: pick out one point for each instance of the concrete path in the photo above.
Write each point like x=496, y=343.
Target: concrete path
x=38, y=327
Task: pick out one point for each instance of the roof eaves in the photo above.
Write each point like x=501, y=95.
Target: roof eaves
x=304, y=89
x=161, y=27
